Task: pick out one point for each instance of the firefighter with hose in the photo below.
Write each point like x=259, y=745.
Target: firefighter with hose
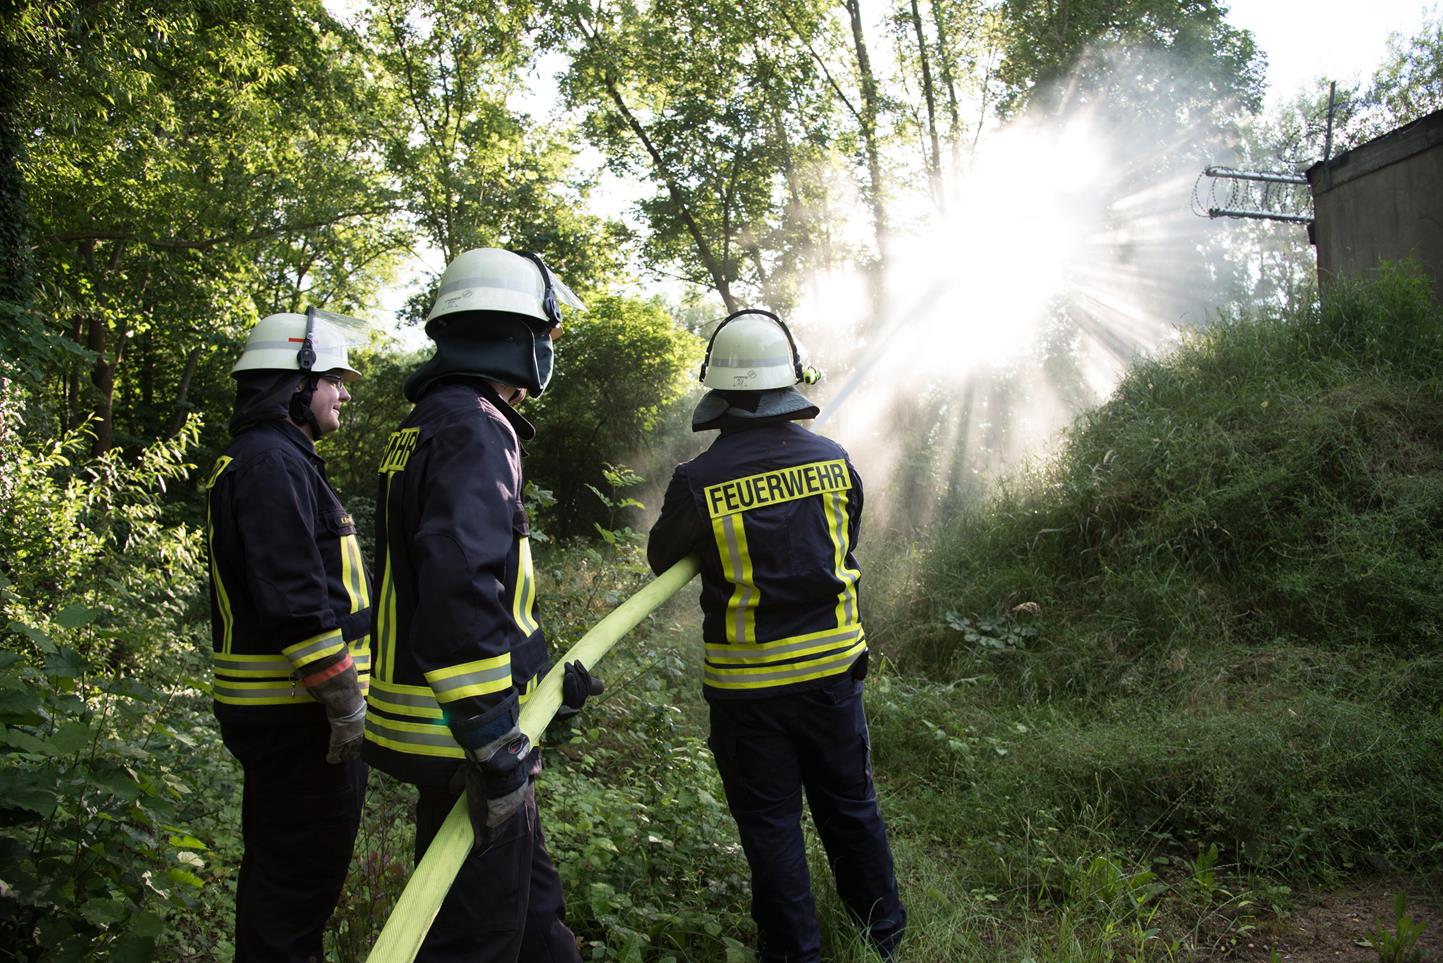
x=458, y=645
x=774, y=512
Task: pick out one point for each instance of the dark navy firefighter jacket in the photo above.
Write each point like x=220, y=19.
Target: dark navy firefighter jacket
x=288, y=589
x=456, y=634
x=774, y=512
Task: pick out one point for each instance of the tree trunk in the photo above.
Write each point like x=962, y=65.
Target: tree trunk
x=703, y=249
x=934, y=159
x=102, y=376
x=876, y=196
x=944, y=62
x=182, y=413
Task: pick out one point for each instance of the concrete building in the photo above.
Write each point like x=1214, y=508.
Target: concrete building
x=1382, y=200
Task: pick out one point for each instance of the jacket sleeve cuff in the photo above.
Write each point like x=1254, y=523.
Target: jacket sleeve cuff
x=328, y=645
x=497, y=721
x=483, y=677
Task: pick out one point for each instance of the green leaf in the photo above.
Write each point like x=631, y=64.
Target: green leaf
x=131, y=688
x=19, y=705
x=103, y=912
x=132, y=948
x=149, y=925
x=118, y=781
x=186, y=841
x=23, y=741
x=65, y=663
x=70, y=738
x=184, y=876
x=30, y=791
x=35, y=635
x=74, y=615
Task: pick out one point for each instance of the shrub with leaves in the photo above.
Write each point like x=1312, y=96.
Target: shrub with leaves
x=98, y=708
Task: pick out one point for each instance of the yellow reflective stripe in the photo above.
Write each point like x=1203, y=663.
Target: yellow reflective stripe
x=414, y=738
x=353, y=573
x=227, y=617
x=407, y=700
x=741, y=613
x=523, y=606
x=765, y=677
x=419, y=701
x=835, y=509
x=386, y=610
x=320, y=646
x=481, y=677
x=361, y=656
x=789, y=648
x=525, y=692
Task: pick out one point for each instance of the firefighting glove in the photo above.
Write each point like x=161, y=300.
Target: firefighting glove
x=497, y=778
x=577, y=685
x=340, y=692
x=495, y=770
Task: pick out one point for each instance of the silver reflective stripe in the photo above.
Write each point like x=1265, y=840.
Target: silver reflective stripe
x=413, y=700
x=750, y=362
x=482, y=677
x=754, y=679
x=304, y=651
x=317, y=343
x=771, y=653
x=227, y=693
x=253, y=664
x=437, y=736
x=528, y=286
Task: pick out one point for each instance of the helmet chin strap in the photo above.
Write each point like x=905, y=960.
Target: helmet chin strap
x=300, y=404
x=510, y=394
x=299, y=407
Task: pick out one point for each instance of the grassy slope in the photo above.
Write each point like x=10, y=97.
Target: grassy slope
x=1234, y=566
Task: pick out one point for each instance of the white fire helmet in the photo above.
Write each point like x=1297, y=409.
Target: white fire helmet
x=492, y=279
x=277, y=342
x=752, y=350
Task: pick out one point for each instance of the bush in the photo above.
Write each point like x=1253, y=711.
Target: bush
x=1212, y=617
x=98, y=705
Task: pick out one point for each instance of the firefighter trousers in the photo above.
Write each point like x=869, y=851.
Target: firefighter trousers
x=505, y=905
x=769, y=751
x=299, y=816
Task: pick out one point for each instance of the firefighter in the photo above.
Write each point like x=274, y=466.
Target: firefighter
x=290, y=620
x=774, y=512
x=458, y=645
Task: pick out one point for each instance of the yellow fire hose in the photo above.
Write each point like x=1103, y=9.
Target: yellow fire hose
x=420, y=901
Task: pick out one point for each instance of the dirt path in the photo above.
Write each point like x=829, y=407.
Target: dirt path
x=1330, y=928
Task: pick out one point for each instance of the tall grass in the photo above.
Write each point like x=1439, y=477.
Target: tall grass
x=1212, y=618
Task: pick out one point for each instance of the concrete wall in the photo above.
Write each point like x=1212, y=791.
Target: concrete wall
x=1381, y=200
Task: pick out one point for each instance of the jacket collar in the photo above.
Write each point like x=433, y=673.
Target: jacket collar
x=287, y=430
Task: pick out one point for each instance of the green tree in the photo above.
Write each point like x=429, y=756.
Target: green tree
x=195, y=163
x=715, y=105
x=622, y=370
x=475, y=172
x=1046, y=40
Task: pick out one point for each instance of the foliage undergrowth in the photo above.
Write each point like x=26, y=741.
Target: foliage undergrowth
x=1209, y=624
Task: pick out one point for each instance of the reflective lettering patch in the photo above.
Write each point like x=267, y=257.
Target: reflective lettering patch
x=398, y=449
x=783, y=485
